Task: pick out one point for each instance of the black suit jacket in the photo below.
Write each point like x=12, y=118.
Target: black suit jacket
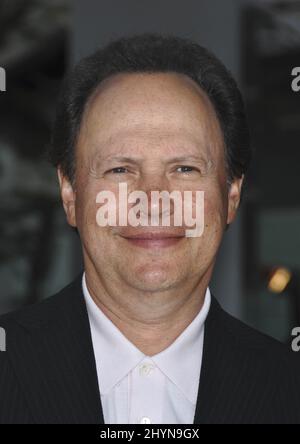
x=48, y=373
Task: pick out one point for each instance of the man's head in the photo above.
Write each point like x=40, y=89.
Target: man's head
x=158, y=113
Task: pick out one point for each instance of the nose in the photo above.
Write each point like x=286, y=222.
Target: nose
x=155, y=186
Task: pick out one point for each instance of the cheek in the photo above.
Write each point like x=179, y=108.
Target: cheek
x=95, y=238
x=86, y=210
x=215, y=216
x=202, y=249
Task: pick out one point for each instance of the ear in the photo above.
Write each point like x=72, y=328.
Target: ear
x=234, y=197
x=68, y=195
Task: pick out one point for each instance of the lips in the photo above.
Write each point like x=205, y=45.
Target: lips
x=153, y=235
x=153, y=239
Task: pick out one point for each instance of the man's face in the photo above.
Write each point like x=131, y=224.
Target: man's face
x=153, y=132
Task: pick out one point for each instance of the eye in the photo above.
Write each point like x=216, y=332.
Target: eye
x=185, y=169
x=118, y=170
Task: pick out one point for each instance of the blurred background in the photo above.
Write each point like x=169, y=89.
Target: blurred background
x=257, y=277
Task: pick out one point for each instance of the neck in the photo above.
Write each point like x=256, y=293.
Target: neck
x=152, y=322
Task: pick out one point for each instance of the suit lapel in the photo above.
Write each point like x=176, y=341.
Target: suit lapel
x=54, y=362
x=228, y=391
x=51, y=352
x=211, y=385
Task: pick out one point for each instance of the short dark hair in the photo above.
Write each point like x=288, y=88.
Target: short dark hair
x=152, y=53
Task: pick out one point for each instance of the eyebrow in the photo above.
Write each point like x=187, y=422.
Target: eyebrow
x=189, y=158
x=123, y=159
x=136, y=160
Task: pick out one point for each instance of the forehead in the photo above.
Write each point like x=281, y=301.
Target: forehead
x=151, y=108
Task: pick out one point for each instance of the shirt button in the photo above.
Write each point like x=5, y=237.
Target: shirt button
x=146, y=369
x=145, y=420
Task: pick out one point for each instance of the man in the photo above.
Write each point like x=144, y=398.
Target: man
x=138, y=338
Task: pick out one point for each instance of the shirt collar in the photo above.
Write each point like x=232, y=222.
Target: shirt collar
x=181, y=362
x=116, y=356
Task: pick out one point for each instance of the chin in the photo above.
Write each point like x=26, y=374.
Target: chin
x=154, y=278
x=152, y=287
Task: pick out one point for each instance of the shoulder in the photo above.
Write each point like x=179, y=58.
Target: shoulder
x=249, y=342
x=40, y=313
x=248, y=337
x=35, y=322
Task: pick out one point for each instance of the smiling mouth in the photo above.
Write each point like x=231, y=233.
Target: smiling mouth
x=154, y=239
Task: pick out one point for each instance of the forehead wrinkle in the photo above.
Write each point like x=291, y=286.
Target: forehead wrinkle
x=132, y=136
x=169, y=151
x=205, y=136
x=148, y=95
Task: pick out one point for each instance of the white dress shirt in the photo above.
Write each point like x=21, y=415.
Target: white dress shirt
x=139, y=389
